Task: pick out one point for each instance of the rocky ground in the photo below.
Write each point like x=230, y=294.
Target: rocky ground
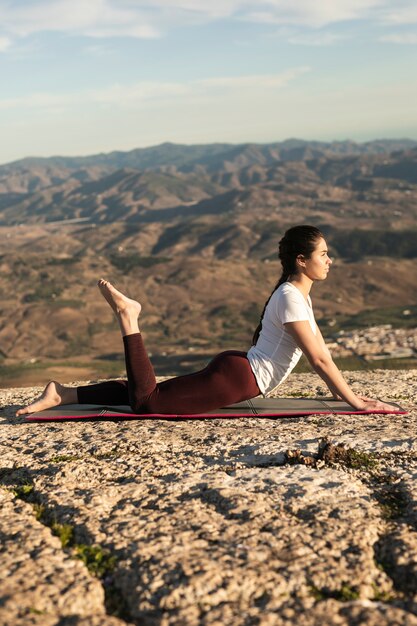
x=232, y=522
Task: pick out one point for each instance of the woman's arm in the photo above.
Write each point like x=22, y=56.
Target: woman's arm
x=322, y=343
x=321, y=361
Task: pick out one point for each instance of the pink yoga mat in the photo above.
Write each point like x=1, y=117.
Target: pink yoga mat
x=258, y=407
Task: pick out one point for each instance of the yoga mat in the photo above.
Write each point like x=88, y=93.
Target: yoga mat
x=262, y=407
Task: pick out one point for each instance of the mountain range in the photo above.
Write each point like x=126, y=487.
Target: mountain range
x=193, y=231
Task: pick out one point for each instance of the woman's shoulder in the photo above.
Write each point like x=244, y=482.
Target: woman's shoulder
x=288, y=294
x=288, y=289
x=282, y=296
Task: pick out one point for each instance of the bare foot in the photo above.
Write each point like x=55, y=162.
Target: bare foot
x=54, y=394
x=121, y=304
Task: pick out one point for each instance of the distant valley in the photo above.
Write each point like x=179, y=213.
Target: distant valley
x=193, y=231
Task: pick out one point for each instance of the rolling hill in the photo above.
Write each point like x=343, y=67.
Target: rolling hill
x=193, y=231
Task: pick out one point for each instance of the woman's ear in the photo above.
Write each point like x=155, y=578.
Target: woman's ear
x=300, y=260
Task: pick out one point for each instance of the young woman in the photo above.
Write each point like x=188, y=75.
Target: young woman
x=286, y=330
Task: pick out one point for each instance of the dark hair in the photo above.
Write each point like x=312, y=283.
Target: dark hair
x=298, y=240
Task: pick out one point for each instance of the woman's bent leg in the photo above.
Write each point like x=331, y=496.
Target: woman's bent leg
x=140, y=373
x=227, y=379
x=140, y=381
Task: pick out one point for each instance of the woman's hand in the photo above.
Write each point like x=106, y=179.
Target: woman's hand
x=376, y=405
x=364, y=398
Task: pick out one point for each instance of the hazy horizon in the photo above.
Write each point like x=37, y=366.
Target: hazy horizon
x=261, y=143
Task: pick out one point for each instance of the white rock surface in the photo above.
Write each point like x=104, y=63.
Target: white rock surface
x=207, y=520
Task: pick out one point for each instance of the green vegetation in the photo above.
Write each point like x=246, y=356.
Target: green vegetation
x=392, y=500
x=382, y=596
x=16, y=373
x=77, y=345
x=356, y=244
x=64, y=260
x=65, y=532
x=40, y=511
x=64, y=458
x=270, y=228
x=57, y=303
x=252, y=314
x=98, y=560
x=42, y=292
x=22, y=491
x=99, y=327
x=360, y=460
x=373, y=317
x=346, y=593
x=15, y=368
x=348, y=457
x=355, y=363
x=127, y=262
x=34, y=611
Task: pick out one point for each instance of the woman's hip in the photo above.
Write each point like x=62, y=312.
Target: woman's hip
x=234, y=367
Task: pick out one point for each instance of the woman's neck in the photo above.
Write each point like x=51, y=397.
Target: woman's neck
x=302, y=282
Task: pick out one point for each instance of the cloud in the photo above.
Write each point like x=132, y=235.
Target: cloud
x=265, y=81
x=119, y=95
x=312, y=14
x=109, y=18
x=316, y=39
x=402, y=13
x=95, y=18
x=99, y=50
x=161, y=93
x=152, y=18
x=213, y=9
x=401, y=38
x=5, y=43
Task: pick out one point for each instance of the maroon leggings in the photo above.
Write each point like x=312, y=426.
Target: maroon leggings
x=227, y=379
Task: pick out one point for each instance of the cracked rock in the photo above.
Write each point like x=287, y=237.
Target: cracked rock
x=232, y=522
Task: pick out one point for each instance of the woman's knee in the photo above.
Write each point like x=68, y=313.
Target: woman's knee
x=142, y=406
x=138, y=405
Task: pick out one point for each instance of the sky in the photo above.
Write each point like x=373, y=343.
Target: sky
x=81, y=77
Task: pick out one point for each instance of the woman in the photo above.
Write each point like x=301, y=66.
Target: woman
x=287, y=328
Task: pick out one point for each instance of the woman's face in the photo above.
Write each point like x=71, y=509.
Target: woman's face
x=318, y=265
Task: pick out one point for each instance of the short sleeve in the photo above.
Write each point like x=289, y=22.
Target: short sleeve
x=291, y=308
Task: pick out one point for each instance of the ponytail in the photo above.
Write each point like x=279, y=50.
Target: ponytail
x=282, y=280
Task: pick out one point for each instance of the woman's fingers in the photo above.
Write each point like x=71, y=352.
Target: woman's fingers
x=378, y=405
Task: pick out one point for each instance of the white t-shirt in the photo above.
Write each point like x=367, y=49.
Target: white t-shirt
x=276, y=352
